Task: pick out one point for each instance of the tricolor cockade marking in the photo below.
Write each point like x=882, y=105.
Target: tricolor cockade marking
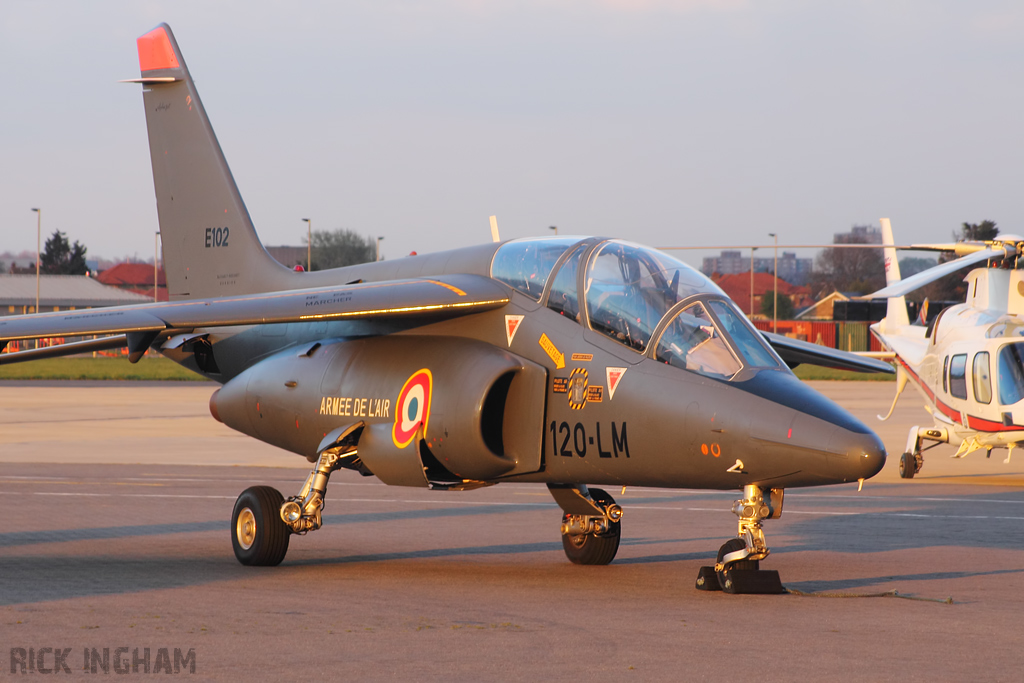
x=412, y=408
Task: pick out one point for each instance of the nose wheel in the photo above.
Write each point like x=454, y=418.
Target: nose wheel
x=737, y=567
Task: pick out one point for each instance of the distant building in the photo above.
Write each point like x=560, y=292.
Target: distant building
x=137, y=278
x=60, y=293
x=859, y=234
x=823, y=308
x=731, y=262
x=738, y=287
x=794, y=270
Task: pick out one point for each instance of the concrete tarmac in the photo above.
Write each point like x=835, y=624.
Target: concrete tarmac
x=115, y=534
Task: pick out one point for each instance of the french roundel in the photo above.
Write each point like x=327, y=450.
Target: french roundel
x=412, y=408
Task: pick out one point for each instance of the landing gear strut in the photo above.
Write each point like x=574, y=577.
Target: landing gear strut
x=912, y=460
x=263, y=520
x=737, y=569
x=590, y=523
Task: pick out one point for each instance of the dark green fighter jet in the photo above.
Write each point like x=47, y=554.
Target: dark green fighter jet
x=565, y=361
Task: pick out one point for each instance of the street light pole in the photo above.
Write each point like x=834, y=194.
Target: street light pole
x=378, y=247
x=752, y=250
x=309, y=244
x=775, y=274
x=39, y=242
x=156, y=267
x=555, y=228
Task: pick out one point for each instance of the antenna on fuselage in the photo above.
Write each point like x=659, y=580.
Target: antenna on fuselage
x=494, y=229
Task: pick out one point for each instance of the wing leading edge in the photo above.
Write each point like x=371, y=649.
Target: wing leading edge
x=794, y=352
x=442, y=296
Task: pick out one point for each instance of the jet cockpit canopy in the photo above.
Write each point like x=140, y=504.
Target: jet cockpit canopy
x=644, y=299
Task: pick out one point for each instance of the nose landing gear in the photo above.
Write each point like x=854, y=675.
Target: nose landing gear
x=263, y=520
x=737, y=569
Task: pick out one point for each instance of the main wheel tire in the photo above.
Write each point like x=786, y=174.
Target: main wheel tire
x=731, y=546
x=908, y=466
x=592, y=548
x=258, y=534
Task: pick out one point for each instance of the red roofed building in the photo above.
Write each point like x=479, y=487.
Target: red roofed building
x=738, y=288
x=135, y=277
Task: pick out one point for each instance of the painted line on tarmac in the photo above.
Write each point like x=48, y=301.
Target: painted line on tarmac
x=852, y=496
x=830, y=513
x=510, y=485
x=820, y=513
x=110, y=495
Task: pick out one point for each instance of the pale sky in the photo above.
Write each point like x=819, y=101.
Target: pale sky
x=667, y=122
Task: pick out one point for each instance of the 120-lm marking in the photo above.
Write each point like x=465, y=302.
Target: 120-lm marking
x=576, y=437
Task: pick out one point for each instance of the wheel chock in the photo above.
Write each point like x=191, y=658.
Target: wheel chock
x=753, y=581
x=707, y=580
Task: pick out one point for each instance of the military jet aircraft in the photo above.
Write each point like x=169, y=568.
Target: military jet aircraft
x=968, y=362
x=565, y=361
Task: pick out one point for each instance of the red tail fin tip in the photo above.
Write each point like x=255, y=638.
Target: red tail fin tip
x=155, y=51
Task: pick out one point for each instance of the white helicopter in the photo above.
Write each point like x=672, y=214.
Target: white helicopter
x=968, y=363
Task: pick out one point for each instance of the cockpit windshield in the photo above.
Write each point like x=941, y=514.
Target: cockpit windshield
x=692, y=341
x=629, y=289
x=526, y=264
x=1010, y=381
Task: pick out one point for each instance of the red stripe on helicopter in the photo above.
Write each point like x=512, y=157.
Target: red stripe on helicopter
x=973, y=422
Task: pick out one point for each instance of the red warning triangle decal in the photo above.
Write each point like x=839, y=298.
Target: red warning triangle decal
x=614, y=376
x=511, y=325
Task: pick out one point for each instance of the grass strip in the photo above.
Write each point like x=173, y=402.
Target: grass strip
x=100, y=368
x=814, y=372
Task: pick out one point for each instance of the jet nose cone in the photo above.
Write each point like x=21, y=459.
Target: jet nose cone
x=859, y=455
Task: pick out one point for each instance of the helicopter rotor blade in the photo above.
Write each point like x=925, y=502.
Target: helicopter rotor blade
x=932, y=274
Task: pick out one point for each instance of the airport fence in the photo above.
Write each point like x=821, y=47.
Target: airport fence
x=846, y=336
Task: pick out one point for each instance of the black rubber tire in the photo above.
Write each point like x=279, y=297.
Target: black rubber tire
x=268, y=541
x=593, y=549
x=731, y=546
x=908, y=466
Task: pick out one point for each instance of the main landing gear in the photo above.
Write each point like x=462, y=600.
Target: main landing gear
x=590, y=523
x=263, y=520
x=912, y=460
x=737, y=569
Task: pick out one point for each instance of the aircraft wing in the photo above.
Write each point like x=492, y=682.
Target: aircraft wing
x=443, y=296
x=932, y=274
x=794, y=352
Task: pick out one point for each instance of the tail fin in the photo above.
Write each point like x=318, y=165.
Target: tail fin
x=209, y=244
x=896, y=310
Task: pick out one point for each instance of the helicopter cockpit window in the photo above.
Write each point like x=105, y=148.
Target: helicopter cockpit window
x=564, y=298
x=629, y=289
x=958, y=376
x=526, y=264
x=1010, y=380
x=692, y=341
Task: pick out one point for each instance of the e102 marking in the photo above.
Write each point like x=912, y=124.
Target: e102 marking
x=216, y=237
